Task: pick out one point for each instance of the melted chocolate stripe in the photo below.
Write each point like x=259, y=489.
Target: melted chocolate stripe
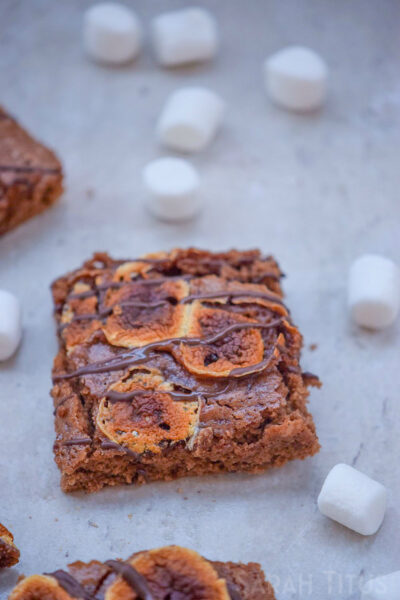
x=232, y=294
x=108, y=311
x=232, y=591
x=113, y=396
x=136, y=581
x=73, y=442
x=70, y=585
x=230, y=329
x=133, y=578
x=103, y=313
x=118, y=284
x=109, y=445
x=30, y=169
x=141, y=354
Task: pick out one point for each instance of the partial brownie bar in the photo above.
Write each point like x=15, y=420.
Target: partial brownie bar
x=30, y=175
x=9, y=553
x=169, y=572
x=176, y=364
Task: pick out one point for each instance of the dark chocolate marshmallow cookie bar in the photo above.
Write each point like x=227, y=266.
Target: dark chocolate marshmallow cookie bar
x=30, y=175
x=170, y=572
x=176, y=364
x=9, y=553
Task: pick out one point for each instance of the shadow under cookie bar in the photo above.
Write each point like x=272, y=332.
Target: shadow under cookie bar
x=30, y=175
x=9, y=553
x=176, y=364
x=171, y=571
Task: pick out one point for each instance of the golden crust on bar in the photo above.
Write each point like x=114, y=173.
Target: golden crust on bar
x=149, y=420
x=133, y=326
x=240, y=348
x=39, y=587
x=191, y=574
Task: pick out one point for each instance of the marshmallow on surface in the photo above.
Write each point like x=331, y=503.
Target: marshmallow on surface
x=172, y=185
x=190, y=119
x=296, y=78
x=374, y=291
x=184, y=36
x=112, y=33
x=10, y=324
x=353, y=499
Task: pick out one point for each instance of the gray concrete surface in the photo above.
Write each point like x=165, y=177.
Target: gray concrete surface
x=315, y=190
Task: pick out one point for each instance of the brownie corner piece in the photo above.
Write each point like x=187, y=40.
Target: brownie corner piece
x=167, y=572
x=9, y=553
x=30, y=174
x=173, y=364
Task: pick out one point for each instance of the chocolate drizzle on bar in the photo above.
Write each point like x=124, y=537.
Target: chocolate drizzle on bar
x=77, y=442
x=136, y=581
x=232, y=591
x=139, y=355
x=142, y=355
x=70, y=585
x=109, y=445
x=116, y=285
x=113, y=396
x=232, y=294
x=133, y=578
x=30, y=169
x=105, y=312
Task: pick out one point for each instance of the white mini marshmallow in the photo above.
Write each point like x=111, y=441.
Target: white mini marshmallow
x=296, y=78
x=111, y=33
x=184, y=36
x=353, y=499
x=374, y=291
x=386, y=587
x=173, y=186
x=190, y=119
x=10, y=324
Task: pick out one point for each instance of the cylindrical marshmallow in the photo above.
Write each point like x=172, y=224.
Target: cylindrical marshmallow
x=111, y=33
x=353, y=499
x=296, y=78
x=190, y=119
x=172, y=185
x=385, y=587
x=184, y=36
x=374, y=291
x=10, y=324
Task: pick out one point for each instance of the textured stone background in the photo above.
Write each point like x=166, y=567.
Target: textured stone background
x=314, y=190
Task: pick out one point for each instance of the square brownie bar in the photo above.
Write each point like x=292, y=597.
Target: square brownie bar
x=9, y=553
x=169, y=572
x=30, y=175
x=176, y=364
